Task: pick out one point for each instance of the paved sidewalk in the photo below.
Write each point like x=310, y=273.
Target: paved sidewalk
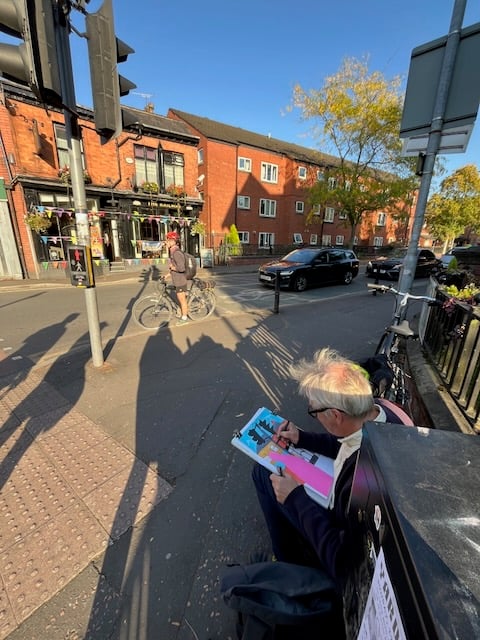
x=67, y=491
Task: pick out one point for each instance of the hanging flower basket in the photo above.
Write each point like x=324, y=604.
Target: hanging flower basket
x=38, y=222
x=198, y=228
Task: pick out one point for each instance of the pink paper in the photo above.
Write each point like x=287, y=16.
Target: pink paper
x=305, y=472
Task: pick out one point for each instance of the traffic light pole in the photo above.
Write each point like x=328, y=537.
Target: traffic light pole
x=76, y=172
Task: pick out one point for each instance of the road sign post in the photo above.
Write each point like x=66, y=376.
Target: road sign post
x=446, y=79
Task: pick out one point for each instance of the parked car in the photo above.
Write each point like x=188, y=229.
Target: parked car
x=389, y=267
x=446, y=259
x=310, y=266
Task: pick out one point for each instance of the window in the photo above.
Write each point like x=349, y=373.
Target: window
x=302, y=173
x=200, y=156
x=332, y=183
x=329, y=214
x=336, y=256
x=146, y=164
x=381, y=219
x=268, y=208
x=313, y=238
x=316, y=210
x=244, y=164
x=377, y=241
x=362, y=188
x=243, y=202
x=348, y=185
x=355, y=241
x=320, y=175
x=266, y=240
x=62, y=146
x=269, y=172
x=299, y=206
x=173, y=166
x=339, y=240
x=342, y=215
x=297, y=238
x=244, y=237
x=326, y=240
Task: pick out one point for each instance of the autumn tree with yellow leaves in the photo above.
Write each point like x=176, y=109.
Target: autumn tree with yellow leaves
x=456, y=206
x=356, y=118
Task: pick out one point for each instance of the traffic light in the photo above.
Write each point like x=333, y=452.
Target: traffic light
x=35, y=61
x=105, y=51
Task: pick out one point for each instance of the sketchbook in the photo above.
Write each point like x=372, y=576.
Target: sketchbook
x=259, y=440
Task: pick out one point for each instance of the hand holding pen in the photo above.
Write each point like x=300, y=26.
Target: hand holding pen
x=288, y=431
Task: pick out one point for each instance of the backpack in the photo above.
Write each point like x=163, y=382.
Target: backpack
x=282, y=601
x=190, y=266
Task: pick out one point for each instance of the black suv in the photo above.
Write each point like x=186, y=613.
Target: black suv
x=308, y=267
x=389, y=267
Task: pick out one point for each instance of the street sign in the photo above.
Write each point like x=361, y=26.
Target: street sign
x=463, y=95
x=81, y=267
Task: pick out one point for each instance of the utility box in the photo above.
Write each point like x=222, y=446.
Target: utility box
x=415, y=506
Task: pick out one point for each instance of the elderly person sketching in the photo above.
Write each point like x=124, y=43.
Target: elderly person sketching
x=303, y=532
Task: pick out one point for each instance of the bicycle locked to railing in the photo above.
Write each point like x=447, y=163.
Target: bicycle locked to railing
x=387, y=368
x=157, y=309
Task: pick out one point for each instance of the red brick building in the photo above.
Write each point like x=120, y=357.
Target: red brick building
x=260, y=185
x=138, y=187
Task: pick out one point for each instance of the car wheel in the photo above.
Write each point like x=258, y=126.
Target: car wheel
x=299, y=283
x=347, y=277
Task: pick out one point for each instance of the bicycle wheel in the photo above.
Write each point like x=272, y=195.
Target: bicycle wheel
x=151, y=312
x=200, y=306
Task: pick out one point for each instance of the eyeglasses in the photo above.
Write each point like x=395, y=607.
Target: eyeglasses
x=313, y=412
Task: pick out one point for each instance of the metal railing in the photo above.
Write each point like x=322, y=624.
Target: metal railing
x=452, y=343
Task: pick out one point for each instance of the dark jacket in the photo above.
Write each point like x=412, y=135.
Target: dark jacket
x=328, y=530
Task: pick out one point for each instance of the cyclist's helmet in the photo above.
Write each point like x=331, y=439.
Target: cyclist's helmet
x=172, y=235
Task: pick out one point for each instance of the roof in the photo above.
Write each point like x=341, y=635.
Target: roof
x=234, y=135
x=154, y=123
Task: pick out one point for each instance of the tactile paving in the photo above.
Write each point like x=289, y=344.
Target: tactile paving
x=127, y=497
x=31, y=397
x=67, y=489
x=37, y=567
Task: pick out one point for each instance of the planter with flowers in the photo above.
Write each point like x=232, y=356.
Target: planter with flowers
x=38, y=222
x=149, y=187
x=65, y=177
x=176, y=190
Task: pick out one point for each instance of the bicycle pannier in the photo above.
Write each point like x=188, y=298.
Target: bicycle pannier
x=190, y=266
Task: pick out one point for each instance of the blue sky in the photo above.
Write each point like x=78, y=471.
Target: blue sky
x=238, y=62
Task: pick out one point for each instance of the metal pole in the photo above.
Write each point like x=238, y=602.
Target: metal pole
x=276, y=302
x=76, y=169
x=453, y=39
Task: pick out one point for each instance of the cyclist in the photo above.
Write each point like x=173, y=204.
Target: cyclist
x=177, y=272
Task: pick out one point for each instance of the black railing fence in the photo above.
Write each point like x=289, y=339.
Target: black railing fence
x=451, y=339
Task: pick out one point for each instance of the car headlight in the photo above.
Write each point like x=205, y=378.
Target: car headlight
x=286, y=273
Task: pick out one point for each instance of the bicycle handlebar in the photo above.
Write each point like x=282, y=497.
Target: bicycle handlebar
x=405, y=295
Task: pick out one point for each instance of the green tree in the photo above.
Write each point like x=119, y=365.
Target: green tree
x=233, y=240
x=356, y=117
x=456, y=206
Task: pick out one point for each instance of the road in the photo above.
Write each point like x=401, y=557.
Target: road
x=41, y=323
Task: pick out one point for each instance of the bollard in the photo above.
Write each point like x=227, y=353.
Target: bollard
x=277, y=293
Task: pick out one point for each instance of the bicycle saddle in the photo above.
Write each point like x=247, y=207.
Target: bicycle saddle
x=403, y=329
